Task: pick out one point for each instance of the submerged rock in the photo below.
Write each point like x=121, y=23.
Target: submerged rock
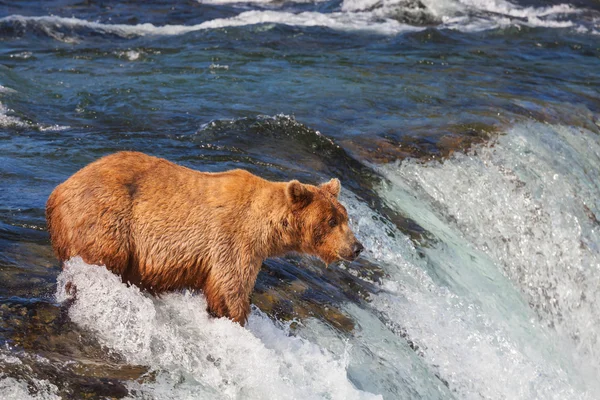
x=45, y=344
x=388, y=149
x=414, y=12
x=298, y=288
x=410, y=12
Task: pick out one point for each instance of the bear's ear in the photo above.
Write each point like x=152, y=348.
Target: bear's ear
x=298, y=193
x=333, y=187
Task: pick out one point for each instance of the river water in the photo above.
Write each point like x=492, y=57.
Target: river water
x=466, y=137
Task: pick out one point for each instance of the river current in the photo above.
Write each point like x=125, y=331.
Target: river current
x=466, y=137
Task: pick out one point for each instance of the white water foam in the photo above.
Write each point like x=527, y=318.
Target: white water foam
x=463, y=15
x=12, y=389
x=480, y=351
x=376, y=16
x=336, y=20
x=131, y=55
x=10, y=121
x=530, y=205
x=7, y=90
x=471, y=15
x=478, y=15
x=198, y=356
x=514, y=10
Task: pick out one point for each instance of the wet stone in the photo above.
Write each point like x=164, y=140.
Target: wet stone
x=70, y=384
x=385, y=150
x=298, y=288
x=49, y=346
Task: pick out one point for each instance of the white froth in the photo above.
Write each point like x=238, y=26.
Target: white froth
x=198, y=356
x=478, y=356
x=354, y=15
x=513, y=10
x=8, y=121
x=535, y=21
x=52, y=128
x=218, y=66
x=131, y=55
x=471, y=15
x=498, y=14
x=482, y=352
x=530, y=205
x=23, y=55
x=12, y=389
x=336, y=20
x=7, y=90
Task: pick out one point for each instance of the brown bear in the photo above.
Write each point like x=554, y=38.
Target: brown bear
x=164, y=227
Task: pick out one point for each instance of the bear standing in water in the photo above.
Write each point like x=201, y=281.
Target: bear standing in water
x=165, y=227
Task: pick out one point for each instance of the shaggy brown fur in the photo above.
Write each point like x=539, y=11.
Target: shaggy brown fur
x=165, y=227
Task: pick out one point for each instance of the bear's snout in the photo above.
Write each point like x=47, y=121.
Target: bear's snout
x=357, y=249
x=352, y=251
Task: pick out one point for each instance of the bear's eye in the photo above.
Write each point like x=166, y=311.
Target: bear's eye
x=333, y=222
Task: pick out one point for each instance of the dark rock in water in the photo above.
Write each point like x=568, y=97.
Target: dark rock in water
x=277, y=303
x=414, y=12
x=388, y=149
x=283, y=293
x=71, y=359
x=298, y=288
x=71, y=382
x=410, y=12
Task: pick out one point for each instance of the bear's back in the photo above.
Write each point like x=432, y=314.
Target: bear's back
x=89, y=214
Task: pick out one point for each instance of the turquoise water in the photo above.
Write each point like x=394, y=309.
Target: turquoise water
x=465, y=134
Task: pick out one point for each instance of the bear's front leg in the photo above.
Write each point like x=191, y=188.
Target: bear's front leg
x=239, y=309
x=227, y=291
x=234, y=304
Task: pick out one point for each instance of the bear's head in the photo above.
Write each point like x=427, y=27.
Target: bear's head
x=320, y=222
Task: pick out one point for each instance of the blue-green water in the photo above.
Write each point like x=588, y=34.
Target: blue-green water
x=465, y=134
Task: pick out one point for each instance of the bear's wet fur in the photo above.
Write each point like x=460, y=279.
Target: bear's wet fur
x=164, y=227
